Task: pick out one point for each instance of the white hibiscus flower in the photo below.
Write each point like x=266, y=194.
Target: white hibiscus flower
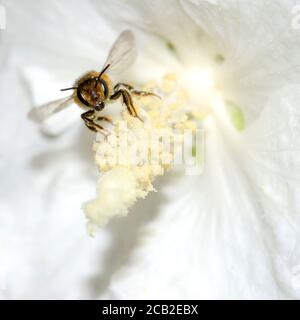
x=231, y=232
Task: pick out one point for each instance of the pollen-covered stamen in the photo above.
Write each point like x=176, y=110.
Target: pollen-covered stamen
x=136, y=152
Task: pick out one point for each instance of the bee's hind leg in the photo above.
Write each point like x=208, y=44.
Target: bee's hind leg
x=88, y=118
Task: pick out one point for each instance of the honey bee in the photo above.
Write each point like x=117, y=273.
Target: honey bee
x=94, y=89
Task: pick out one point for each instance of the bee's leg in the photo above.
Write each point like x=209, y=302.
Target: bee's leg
x=144, y=93
x=88, y=118
x=127, y=100
x=133, y=91
x=125, y=85
x=104, y=118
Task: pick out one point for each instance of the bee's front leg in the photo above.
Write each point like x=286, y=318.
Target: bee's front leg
x=88, y=118
x=104, y=118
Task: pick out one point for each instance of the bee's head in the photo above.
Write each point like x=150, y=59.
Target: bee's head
x=92, y=92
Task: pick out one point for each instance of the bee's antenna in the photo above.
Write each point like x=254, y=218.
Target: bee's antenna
x=101, y=73
x=72, y=88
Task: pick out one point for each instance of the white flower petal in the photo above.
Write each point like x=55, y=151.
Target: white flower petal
x=64, y=37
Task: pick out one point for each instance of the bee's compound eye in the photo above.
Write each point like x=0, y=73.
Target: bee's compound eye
x=103, y=88
x=82, y=96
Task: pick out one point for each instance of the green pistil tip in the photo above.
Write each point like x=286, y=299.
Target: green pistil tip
x=236, y=115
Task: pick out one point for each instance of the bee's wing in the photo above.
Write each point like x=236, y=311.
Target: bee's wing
x=122, y=53
x=41, y=113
